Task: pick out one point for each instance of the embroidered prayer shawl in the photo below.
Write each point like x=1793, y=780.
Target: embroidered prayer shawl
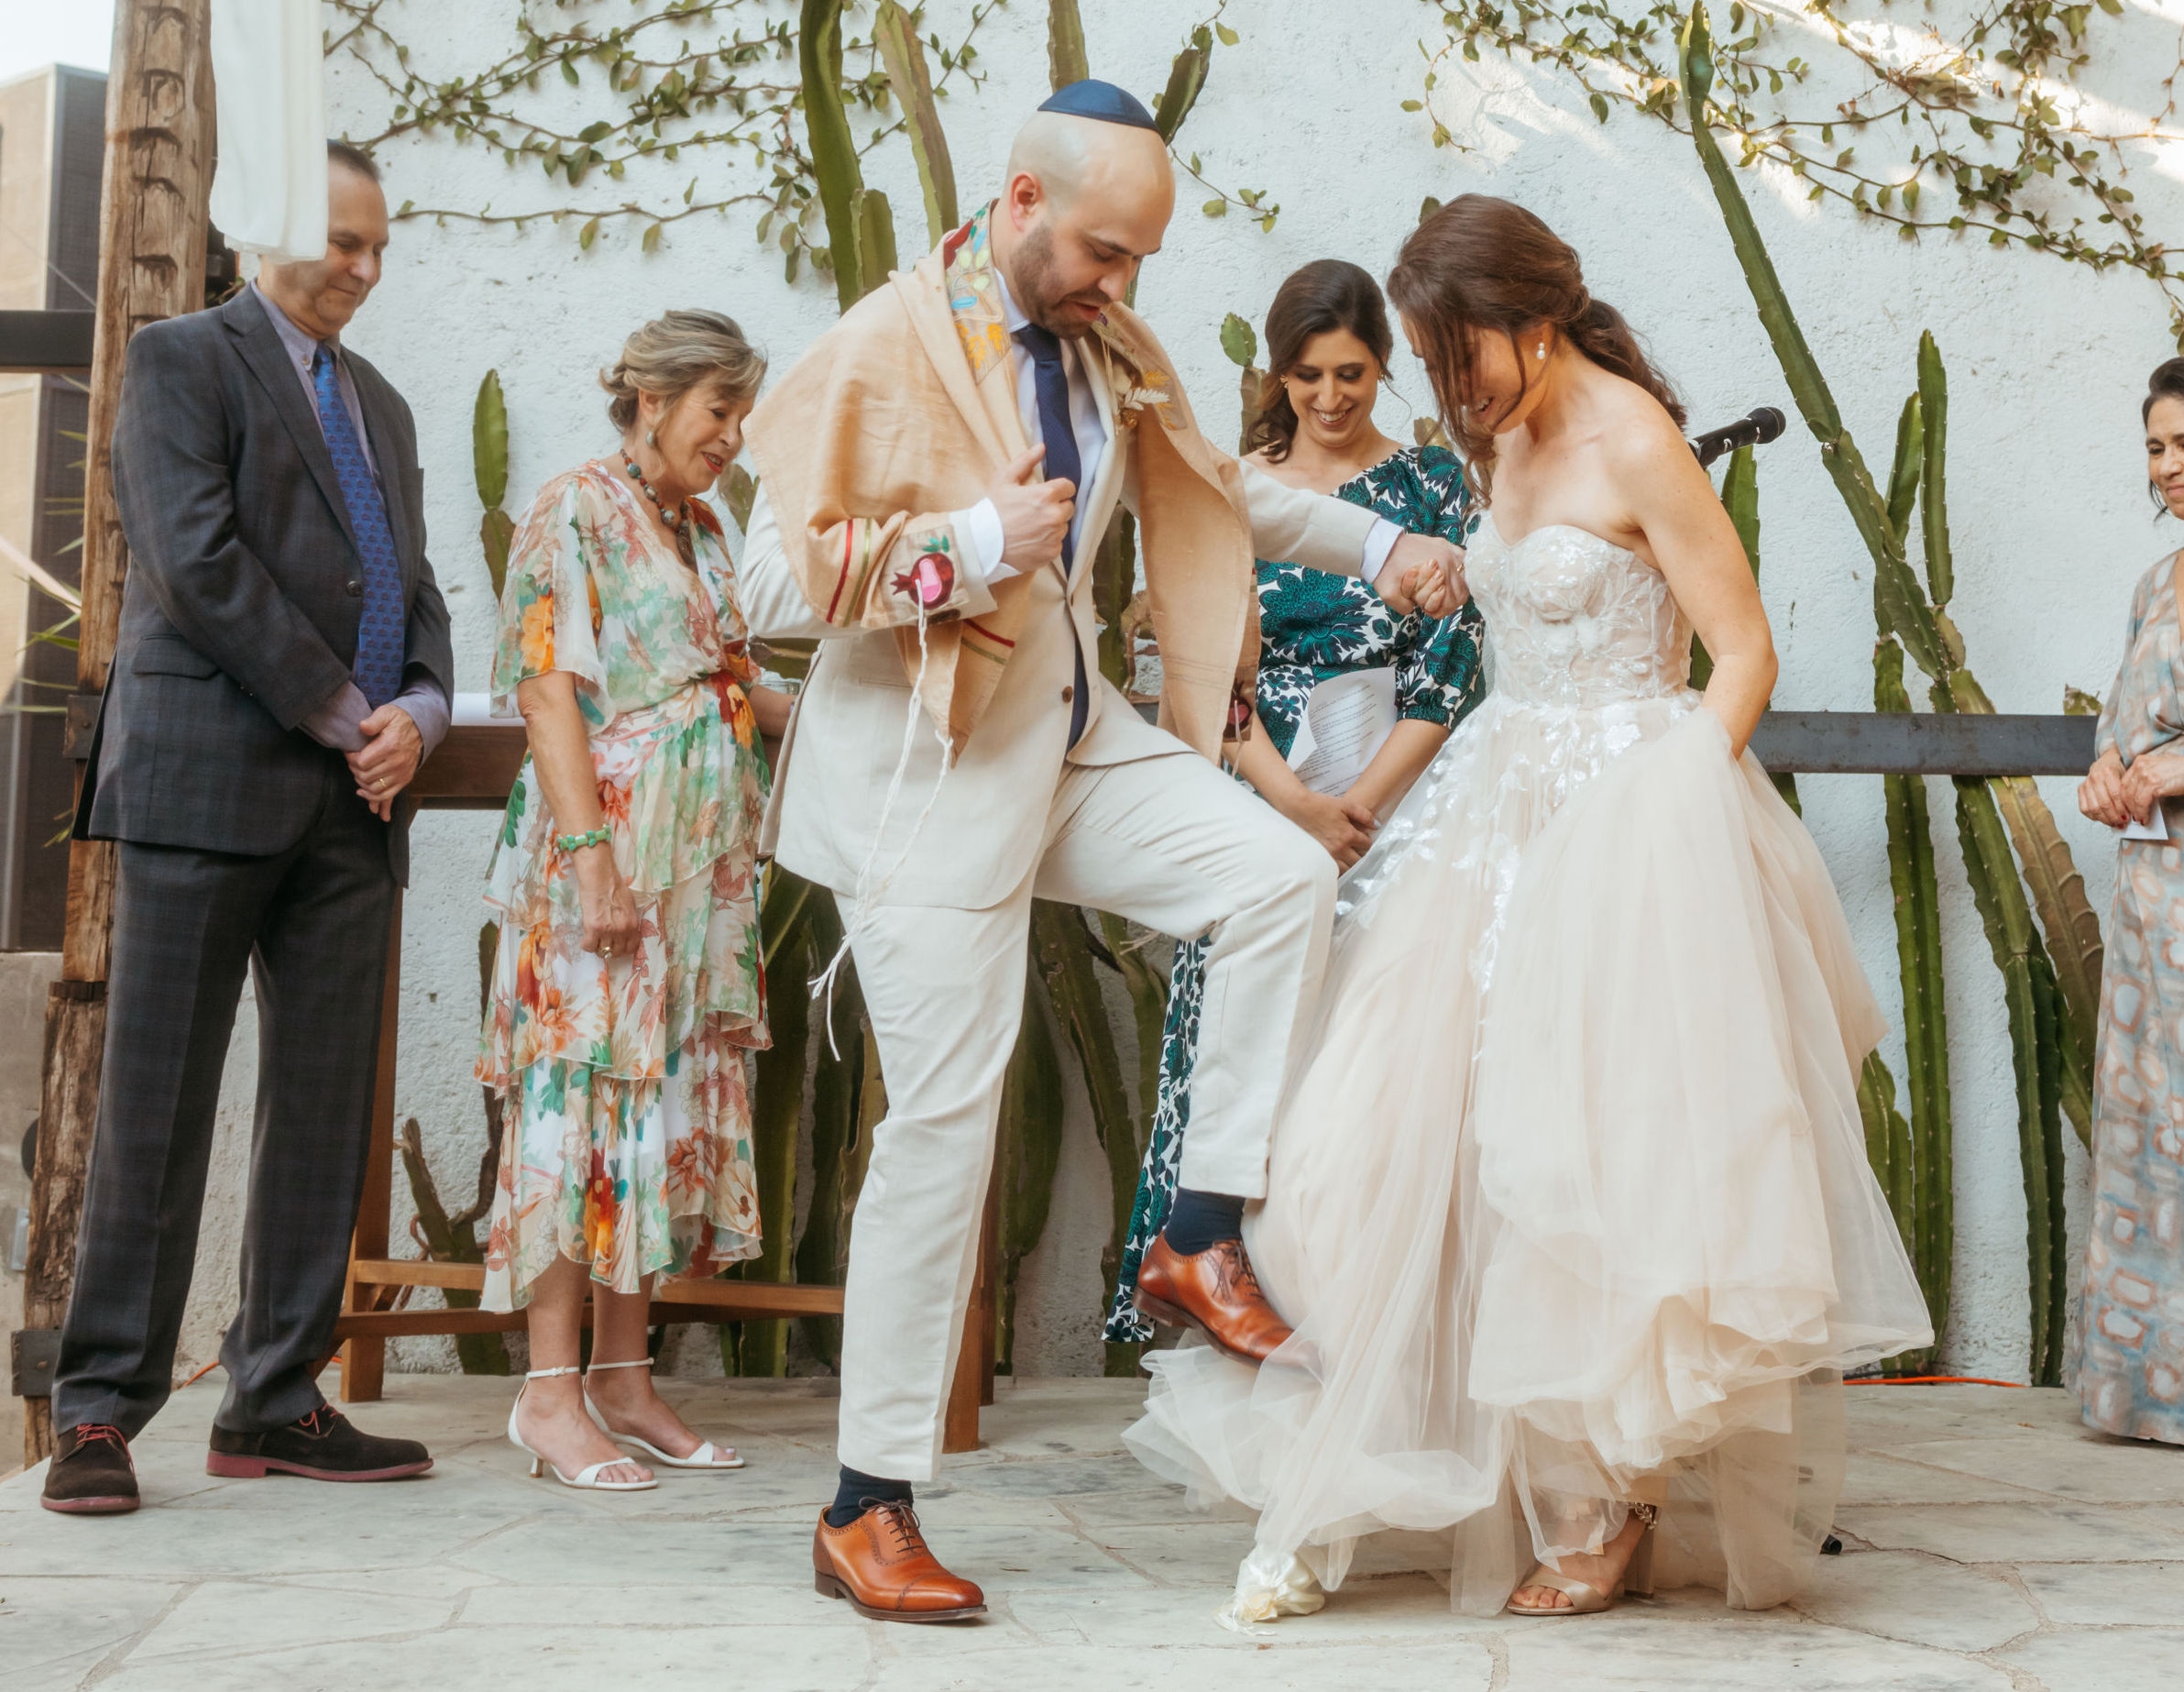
x=904, y=412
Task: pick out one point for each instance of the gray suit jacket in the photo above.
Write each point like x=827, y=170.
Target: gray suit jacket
x=238, y=619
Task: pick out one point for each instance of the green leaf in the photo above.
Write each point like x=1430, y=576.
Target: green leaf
x=495, y=531
x=488, y=443
x=1216, y=208
x=1599, y=105
x=568, y=72
x=1904, y=473
x=1186, y=77
x=652, y=238
x=1239, y=340
x=1933, y=400
x=1229, y=38
x=588, y=235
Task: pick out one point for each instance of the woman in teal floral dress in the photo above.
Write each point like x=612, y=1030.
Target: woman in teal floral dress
x=2126, y=1365
x=627, y=995
x=1328, y=344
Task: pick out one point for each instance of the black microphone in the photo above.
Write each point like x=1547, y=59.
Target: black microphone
x=1762, y=424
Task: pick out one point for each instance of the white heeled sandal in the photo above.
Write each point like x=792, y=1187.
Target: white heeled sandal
x=1586, y=1599
x=707, y=1454
x=586, y=1479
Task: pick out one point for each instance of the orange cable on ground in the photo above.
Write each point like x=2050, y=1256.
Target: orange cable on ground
x=1930, y=1381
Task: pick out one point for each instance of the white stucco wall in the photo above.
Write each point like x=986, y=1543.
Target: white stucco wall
x=2046, y=363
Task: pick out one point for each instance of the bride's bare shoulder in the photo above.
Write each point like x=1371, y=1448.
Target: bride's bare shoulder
x=1639, y=438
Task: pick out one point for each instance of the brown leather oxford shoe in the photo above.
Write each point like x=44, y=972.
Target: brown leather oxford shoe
x=1214, y=1292
x=883, y=1566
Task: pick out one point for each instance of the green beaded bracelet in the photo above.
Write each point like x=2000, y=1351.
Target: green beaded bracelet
x=578, y=842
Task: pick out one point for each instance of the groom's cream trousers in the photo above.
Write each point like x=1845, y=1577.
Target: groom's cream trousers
x=1169, y=843
x=1129, y=820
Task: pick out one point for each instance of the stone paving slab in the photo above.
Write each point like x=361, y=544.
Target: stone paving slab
x=1993, y=1545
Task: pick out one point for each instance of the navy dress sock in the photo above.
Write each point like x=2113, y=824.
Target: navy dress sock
x=859, y=1492
x=1201, y=1220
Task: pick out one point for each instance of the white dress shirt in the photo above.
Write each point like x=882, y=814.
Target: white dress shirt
x=980, y=524
x=337, y=722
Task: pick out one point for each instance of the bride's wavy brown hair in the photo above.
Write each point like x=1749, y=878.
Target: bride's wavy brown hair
x=1483, y=266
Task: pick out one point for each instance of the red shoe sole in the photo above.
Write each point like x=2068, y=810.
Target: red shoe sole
x=118, y=1504
x=833, y=1585
x=231, y=1466
x=1176, y=1316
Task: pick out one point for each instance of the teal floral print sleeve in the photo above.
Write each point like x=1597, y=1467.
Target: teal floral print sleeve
x=1314, y=625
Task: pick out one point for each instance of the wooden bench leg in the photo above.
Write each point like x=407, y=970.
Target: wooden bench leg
x=364, y=1361
x=973, y=1382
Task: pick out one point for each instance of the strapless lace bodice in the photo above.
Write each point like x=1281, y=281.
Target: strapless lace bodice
x=1574, y=620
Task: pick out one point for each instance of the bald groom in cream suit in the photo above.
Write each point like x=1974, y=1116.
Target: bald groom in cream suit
x=957, y=753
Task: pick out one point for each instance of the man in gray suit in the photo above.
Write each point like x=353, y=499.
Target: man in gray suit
x=282, y=668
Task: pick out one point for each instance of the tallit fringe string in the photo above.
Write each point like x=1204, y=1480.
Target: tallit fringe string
x=868, y=897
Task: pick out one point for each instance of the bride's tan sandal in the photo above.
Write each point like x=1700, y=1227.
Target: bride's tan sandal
x=1585, y=1598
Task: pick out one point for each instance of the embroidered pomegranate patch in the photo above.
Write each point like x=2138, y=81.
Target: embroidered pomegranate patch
x=929, y=581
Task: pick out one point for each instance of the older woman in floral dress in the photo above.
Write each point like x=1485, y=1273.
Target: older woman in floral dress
x=627, y=995
x=2128, y=1367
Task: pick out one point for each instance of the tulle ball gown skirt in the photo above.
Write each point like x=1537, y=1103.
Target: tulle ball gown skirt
x=1568, y=1197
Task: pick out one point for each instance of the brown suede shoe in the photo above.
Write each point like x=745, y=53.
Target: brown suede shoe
x=90, y=1473
x=881, y=1563
x=1214, y=1292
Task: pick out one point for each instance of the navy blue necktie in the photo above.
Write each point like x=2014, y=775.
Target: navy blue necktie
x=381, y=635
x=1059, y=435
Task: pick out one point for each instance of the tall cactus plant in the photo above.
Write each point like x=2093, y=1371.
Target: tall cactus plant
x=2039, y=1013
x=894, y=32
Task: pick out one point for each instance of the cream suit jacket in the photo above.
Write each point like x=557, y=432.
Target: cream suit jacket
x=989, y=817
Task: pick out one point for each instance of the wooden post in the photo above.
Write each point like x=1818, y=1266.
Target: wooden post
x=364, y=1360
x=972, y=1384
x=159, y=169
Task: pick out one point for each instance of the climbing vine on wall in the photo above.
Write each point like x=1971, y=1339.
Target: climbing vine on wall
x=660, y=84
x=1981, y=129
x=711, y=83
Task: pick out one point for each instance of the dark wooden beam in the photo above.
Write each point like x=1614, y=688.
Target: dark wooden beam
x=47, y=343
x=1891, y=744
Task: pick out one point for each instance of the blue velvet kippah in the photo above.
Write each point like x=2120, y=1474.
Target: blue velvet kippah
x=1104, y=100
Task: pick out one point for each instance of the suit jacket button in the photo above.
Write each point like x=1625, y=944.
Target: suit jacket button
x=1068, y=694
x=353, y=587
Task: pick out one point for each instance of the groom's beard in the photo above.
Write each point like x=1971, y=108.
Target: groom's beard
x=1038, y=296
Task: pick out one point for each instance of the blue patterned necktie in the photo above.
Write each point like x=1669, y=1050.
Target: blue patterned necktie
x=381, y=633
x=1051, y=381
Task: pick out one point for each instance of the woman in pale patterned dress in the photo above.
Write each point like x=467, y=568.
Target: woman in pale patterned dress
x=2128, y=1367
x=1568, y=1198
x=627, y=995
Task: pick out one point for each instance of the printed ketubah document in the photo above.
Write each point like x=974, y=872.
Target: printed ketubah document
x=1346, y=720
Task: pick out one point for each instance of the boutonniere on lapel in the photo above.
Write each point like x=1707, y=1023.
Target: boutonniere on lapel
x=1134, y=389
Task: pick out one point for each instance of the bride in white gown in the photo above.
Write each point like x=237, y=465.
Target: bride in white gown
x=1568, y=1197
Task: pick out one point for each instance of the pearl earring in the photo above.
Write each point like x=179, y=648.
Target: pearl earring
x=1542, y=349
x=652, y=437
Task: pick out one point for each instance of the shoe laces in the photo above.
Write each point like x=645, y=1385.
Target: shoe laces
x=94, y=1431
x=902, y=1520
x=1237, y=1273
x=319, y=1422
